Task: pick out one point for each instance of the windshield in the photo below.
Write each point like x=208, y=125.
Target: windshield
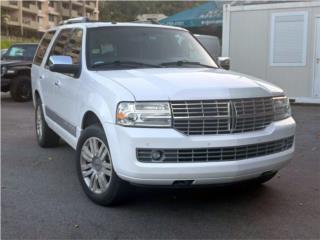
x=141, y=47
x=20, y=52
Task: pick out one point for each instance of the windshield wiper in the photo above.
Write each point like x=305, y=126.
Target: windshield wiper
x=182, y=63
x=121, y=63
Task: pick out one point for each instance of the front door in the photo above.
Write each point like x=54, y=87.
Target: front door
x=316, y=88
x=65, y=105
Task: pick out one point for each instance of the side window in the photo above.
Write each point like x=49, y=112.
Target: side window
x=61, y=43
x=43, y=47
x=74, y=47
x=68, y=43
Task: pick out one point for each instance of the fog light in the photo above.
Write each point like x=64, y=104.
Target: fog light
x=156, y=155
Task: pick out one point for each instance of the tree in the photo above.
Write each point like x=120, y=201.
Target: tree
x=124, y=11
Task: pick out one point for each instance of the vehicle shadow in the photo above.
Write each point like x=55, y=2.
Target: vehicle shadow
x=6, y=98
x=209, y=195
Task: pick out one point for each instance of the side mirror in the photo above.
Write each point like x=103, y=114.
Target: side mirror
x=224, y=62
x=63, y=64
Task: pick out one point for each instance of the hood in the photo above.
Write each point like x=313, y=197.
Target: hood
x=11, y=63
x=189, y=84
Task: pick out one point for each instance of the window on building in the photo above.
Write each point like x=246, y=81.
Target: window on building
x=13, y=3
x=39, y=5
x=26, y=4
x=65, y=5
x=51, y=4
x=43, y=47
x=39, y=19
x=288, y=39
x=51, y=18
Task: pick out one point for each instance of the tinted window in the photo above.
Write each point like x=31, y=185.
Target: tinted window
x=68, y=43
x=21, y=52
x=43, y=47
x=143, y=44
x=61, y=43
x=74, y=47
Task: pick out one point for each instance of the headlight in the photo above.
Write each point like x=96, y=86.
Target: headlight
x=10, y=71
x=281, y=108
x=144, y=114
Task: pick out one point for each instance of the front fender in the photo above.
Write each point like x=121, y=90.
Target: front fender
x=97, y=105
x=102, y=97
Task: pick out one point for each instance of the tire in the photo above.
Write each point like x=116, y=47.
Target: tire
x=5, y=89
x=95, y=169
x=20, y=89
x=45, y=136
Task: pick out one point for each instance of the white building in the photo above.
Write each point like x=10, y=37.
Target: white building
x=151, y=16
x=278, y=42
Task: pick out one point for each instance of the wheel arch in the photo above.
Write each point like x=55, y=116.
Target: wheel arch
x=36, y=96
x=90, y=118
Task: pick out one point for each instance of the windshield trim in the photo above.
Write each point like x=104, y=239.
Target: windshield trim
x=90, y=68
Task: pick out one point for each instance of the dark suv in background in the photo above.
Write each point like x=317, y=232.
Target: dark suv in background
x=15, y=71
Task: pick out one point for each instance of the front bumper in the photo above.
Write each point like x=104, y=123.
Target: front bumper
x=124, y=141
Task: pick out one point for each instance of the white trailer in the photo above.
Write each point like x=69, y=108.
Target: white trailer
x=278, y=42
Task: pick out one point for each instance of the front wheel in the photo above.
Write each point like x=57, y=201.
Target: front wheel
x=95, y=168
x=20, y=89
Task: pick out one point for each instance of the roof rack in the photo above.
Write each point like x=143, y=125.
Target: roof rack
x=75, y=20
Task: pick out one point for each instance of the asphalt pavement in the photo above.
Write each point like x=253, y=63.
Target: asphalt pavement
x=42, y=198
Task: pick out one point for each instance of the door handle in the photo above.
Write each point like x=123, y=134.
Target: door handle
x=41, y=77
x=318, y=60
x=57, y=83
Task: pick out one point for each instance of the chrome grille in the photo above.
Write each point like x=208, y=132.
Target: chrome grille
x=221, y=116
x=216, y=154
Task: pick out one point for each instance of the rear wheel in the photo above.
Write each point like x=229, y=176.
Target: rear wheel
x=20, y=89
x=45, y=136
x=95, y=169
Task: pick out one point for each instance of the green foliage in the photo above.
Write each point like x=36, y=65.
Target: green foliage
x=7, y=42
x=123, y=11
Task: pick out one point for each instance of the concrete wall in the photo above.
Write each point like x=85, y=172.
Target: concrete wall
x=249, y=46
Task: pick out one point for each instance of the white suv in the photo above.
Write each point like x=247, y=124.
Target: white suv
x=145, y=104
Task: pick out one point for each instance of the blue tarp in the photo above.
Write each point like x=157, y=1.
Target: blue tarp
x=203, y=15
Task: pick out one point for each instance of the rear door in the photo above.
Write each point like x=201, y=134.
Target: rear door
x=37, y=73
x=49, y=79
x=64, y=105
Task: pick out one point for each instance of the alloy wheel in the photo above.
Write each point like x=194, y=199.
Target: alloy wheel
x=39, y=123
x=96, y=167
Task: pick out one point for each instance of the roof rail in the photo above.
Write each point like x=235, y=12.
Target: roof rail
x=75, y=20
